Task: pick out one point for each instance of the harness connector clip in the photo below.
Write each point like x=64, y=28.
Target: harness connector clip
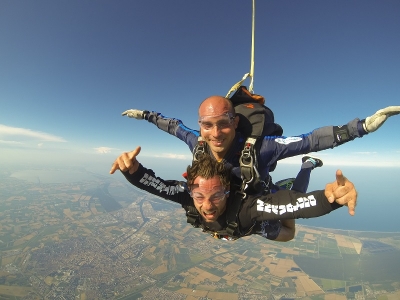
x=246, y=160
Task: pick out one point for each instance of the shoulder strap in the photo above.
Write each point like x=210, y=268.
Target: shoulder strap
x=192, y=216
x=232, y=214
x=199, y=149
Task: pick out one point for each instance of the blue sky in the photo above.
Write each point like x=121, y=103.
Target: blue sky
x=69, y=68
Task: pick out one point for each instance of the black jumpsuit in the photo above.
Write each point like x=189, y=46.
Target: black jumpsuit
x=256, y=210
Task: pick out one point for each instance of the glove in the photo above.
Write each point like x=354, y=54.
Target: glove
x=375, y=121
x=134, y=113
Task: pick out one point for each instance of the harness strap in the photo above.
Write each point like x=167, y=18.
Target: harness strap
x=247, y=162
x=199, y=149
x=192, y=216
x=233, y=212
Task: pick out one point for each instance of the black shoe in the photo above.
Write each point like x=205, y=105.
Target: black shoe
x=315, y=161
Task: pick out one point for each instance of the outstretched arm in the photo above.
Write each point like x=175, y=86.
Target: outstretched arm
x=146, y=180
x=341, y=191
x=286, y=204
x=277, y=148
x=173, y=126
x=352, y=130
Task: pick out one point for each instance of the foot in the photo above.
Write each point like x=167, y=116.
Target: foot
x=315, y=161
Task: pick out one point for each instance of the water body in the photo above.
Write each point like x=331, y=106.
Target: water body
x=365, y=268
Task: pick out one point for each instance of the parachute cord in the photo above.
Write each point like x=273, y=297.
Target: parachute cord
x=251, y=74
x=252, y=48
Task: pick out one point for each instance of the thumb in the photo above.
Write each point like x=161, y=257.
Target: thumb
x=332, y=187
x=340, y=179
x=133, y=166
x=390, y=111
x=134, y=153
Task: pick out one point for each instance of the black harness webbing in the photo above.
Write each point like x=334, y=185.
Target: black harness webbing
x=232, y=214
x=255, y=121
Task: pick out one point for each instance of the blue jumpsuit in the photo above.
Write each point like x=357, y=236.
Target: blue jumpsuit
x=254, y=213
x=273, y=148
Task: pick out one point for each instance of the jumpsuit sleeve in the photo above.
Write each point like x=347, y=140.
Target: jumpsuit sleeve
x=174, y=127
x=285, y=204
x=274, y=148
x=146, y=180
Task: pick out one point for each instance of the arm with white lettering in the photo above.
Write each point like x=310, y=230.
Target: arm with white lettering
x=289, y=204
x=146, y=180
x=292, y=205
x=284, y=206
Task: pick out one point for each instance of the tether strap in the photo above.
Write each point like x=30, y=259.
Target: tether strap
x=232, y=214
x=251, y=73
x=246, y=161
x=192, y=216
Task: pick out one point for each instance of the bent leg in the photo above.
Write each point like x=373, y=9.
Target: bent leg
x=302, y=180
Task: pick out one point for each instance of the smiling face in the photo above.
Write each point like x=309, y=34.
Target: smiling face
x=217, y=124
x=209, y=197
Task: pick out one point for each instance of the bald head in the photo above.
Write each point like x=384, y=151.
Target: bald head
x=217, y=124
x=215, y=106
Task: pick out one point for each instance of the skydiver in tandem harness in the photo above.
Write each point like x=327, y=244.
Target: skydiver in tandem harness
x=211, y=190
x=242, y=134
x=219, y=119
x=254, y=121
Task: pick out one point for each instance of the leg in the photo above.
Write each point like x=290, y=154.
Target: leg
x=302, y=180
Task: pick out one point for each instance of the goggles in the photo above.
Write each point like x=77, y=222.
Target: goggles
x=215, y=198
x=222, y=121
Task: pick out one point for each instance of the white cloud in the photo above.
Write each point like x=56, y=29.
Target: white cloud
x=365, y=153
x=10, y=142
x=148, y=153
x=173, y=156
x=103, y=150
x=19, y=135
